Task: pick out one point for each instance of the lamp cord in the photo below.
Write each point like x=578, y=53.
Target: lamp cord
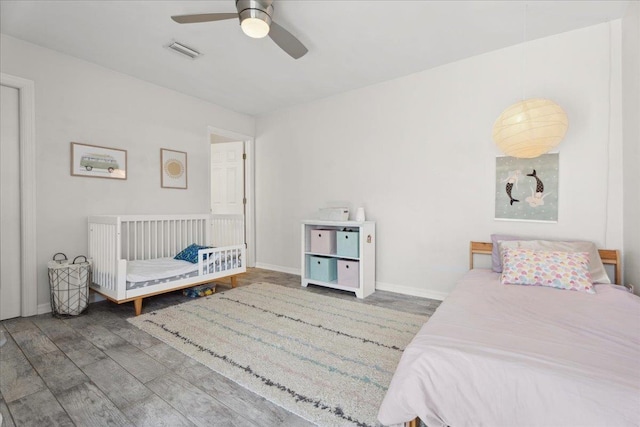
x=524, y=50
x=607, y=179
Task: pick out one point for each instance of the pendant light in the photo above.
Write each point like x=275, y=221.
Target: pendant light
x=531, y=127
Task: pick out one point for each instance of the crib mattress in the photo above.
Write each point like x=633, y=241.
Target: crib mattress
x=152, y=282
x=158, y=268
x=150, y=272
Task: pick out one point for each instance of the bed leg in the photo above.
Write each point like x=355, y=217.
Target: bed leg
x=137, y=305
x=413, y=423
x=234, y=281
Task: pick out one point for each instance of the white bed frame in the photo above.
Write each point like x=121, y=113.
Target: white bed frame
x=116, y=239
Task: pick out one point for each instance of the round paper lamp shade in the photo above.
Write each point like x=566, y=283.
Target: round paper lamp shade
x=530, y=128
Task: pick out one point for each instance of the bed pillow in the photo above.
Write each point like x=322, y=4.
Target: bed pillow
x=190, y=253
x=596, y=268
x=496, y=256
x=556, y=269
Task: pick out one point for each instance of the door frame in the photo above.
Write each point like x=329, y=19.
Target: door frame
x=249, y=183
x=28, y=253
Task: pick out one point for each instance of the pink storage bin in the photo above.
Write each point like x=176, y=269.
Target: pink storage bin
x=348, y=273
x=323, y=241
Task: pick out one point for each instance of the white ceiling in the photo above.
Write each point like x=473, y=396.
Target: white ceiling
x=351, y=43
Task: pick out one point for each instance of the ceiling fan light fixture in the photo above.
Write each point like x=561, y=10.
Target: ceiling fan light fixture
x=255, y=28
x=255, y=23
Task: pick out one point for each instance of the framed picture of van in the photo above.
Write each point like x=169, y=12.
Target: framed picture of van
x=98, y=162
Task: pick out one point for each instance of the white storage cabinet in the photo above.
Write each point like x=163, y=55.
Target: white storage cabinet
x=365, y=260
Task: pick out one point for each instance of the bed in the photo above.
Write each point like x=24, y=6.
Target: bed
x=488, y=357
x=133, y=255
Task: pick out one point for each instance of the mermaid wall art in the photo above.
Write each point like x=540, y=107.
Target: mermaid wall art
x=527, y=189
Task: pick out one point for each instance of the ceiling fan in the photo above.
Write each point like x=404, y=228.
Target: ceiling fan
x=255, y=21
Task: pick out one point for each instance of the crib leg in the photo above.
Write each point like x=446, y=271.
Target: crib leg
x=234, y=281
x=137, y=305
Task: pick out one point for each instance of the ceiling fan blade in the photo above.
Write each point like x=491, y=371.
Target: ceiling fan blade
x=287, y=41
x=203, y=17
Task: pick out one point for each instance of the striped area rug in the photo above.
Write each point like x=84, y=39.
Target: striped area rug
x=328, y=360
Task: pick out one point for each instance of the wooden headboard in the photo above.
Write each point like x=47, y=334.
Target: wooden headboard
x=608, y=256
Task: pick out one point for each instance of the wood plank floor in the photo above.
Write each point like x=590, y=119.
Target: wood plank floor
x=98, y=370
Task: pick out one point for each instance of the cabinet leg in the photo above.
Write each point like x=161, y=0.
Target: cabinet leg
x=137, y=305
x=234, y=281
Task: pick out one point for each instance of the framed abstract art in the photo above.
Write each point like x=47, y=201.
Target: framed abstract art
x=173, y=169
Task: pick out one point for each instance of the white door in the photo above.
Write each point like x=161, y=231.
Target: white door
x=10, y=277
x=227, y=178
x=227, y=193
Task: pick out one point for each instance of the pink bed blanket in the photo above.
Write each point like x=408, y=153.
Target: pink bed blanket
x=510, y=355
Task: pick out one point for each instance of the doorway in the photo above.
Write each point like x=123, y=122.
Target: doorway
x=228, y=199
x=18, y=274
x=231, y=190
x=10, y=275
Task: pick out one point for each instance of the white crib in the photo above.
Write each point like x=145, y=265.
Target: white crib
x=116, y=240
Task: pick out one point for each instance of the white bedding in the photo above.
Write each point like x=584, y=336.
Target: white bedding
x=508, y=355
x=158, y=268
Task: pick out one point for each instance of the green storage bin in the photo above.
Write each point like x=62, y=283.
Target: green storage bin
x=323, y=269
x=348, y=244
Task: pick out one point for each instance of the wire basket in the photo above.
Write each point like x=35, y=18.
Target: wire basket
x=69, y=282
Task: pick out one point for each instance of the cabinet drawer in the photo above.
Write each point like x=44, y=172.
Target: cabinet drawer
x=323, y=269
x=349, y=273
x=348, y=244
x=323, y=241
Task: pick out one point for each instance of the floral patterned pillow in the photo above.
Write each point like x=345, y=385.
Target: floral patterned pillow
x=562, y=270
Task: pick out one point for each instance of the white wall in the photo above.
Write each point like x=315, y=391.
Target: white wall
x=631, y=142
x=417, y=153
x=82, y=102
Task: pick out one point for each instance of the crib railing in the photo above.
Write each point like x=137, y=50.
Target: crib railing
x=114, y=240
x=150, y=237
x=104, y=250
x=215, y=260
x=227, y=230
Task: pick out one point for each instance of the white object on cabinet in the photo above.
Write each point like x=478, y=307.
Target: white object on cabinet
x=366, y=259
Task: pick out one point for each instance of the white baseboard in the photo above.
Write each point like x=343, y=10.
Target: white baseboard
x=381, y=286
x=44, y=308
x=408, y=290
x=95, y=297
x=279, y=268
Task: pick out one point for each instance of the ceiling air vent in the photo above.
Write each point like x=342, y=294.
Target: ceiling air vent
x=183, y=50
